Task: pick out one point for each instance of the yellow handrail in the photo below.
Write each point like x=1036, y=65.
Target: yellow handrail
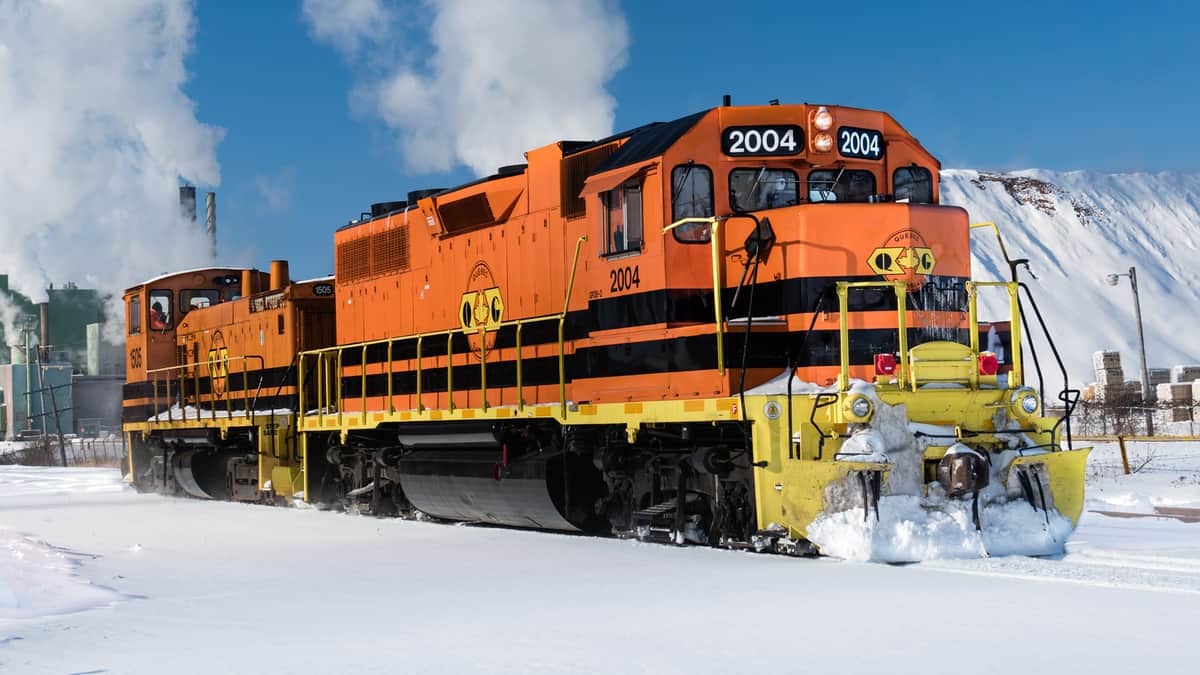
x=715, y=245
x=843, y=293
x=562, y=320
x=183, y=370
x=332, y=387
x=1016, y=377
x=995, y=228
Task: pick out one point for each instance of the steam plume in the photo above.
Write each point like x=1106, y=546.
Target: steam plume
x=499, y=78
x=96, y=135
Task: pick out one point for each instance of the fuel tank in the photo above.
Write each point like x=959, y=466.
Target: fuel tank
x=471, y=475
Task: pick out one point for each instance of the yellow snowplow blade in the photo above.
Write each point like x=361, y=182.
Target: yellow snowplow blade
x=803, y=485
x=1066, y=470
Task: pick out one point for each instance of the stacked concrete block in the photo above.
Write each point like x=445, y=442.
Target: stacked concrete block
x=1174, y=394
x=1118, y=394
x=1181, y=374
x=1159, y=376
x=1111, y=386
x=1196, y=391
x=1108, y=368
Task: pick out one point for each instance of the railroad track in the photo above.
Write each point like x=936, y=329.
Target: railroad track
x=1183, y=514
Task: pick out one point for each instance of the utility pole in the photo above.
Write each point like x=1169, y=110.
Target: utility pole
x=1113, y=280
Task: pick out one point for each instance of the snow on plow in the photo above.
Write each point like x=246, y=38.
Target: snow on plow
x=898, y=490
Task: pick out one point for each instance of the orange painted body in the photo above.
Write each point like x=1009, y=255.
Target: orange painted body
x=640, y=322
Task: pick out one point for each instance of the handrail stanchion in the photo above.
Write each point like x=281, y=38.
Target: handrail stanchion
x=420, y=399
x=902, y=326
x=714, y=240
x=483, y=354
x=843, y=293
x=300, y=385
x=391, y=406
x=225, y=393
x=562, y=320
x=520, y=375
x=363, y=393
x=450, y=371
x=321, y=388
x=337, y=386
x=1017, y=374
x=245, y=387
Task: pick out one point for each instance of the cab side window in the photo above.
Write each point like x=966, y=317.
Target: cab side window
x=692, y=197
x=160, y=310
x=135, y=315
x=192, y=298
x=622, y=218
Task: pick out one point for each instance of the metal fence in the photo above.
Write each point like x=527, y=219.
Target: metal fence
x=47, y=451
x=1101, y=419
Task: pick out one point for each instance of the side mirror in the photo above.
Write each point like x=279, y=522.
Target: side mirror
x=760, y=241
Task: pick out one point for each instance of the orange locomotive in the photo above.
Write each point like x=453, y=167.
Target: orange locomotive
x=632, y=335
x=210, y=386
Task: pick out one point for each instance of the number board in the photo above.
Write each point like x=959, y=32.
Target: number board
x=323, y=289
x=860, y=143
x=773, y=139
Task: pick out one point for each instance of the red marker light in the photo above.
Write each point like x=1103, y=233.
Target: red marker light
x=885, y=364
x=988, y=363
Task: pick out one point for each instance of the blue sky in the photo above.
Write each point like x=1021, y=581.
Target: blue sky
x=1102, y=86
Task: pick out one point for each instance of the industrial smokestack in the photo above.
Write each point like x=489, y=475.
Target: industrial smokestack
x=187, y=202
x=45, y=318
x=210, y=220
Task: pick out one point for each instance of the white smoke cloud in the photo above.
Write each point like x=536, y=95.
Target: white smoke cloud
x=501, y=78
x=346, y=24
x=96, y=134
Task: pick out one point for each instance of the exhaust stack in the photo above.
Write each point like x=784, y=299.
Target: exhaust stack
x=247, y=283
x=279, y=274
x=187, y=202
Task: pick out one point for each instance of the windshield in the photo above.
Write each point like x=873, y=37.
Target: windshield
x=763, y=188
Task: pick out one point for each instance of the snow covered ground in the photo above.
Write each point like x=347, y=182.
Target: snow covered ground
x=95, y=578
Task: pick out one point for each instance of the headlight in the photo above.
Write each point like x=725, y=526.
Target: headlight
x=859, y=408
x=822, y=142
x=823, y=119
x=1029, y=404
x=1025, y=402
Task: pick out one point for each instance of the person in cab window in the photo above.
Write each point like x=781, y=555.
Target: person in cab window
x=158, y=318
x=618, y=235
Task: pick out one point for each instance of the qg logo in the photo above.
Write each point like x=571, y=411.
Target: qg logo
x=481, y=309
x=905, y=256
x=218, y=364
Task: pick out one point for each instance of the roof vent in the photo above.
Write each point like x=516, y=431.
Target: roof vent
x=422, y=194
x=383, y=208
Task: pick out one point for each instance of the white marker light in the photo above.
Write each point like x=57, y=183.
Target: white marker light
x=823, y=119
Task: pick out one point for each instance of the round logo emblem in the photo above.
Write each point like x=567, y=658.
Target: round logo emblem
x=772, y=410
x=481, y=309
x=905, y=256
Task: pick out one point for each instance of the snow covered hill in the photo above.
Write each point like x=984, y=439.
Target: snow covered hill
x=1075, y=228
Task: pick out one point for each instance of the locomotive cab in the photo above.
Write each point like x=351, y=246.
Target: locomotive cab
x=153, y=311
